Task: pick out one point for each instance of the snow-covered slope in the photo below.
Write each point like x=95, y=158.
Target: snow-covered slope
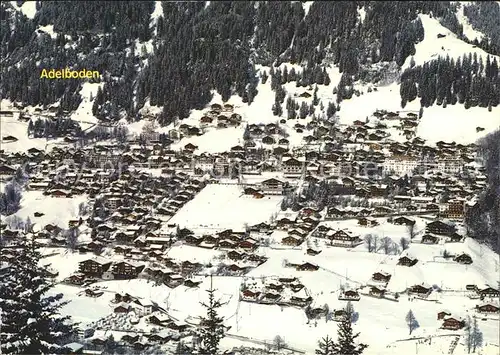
x=469, y=31
x=28, y=8
x=433, y=47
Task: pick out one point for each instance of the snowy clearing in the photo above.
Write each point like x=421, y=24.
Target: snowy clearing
x=225, y=206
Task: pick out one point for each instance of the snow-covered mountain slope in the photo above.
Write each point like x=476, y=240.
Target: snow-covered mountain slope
x=28, y=8
x=469, y=31
x=441, y=42
x=453, y=123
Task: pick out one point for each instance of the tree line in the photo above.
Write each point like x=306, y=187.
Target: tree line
x=468, y=80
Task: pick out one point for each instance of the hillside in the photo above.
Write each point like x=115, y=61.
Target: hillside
x=294, y=159
x=132, y=56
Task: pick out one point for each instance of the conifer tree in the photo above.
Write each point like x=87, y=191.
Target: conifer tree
x=31, y=323
x=346, y=338
x=325, y=346
x=212, y=329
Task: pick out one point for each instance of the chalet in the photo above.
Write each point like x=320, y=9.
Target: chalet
x=122, y=308
x=430, y=239
x=298, y=232
x=489, y=292
x=342, y=238
x=190, y=147
x=377, y=291
x=94, y=267
x=420, y=290
x=191, y=283
x=126, y=270
x=440, y=228
x=209, y=241
x=456, y=209
x=92, y=293
x=366, y=222
x=159, y=319
x=307, y=267
x=129, y=338
x=455, y=238
x=334, y=212
x=292, y=240
x=443, y=314
x=228, y=108
x=6, y=170
x=272, y=186
x=261, y=228
x=194, y=239
x=407, y=261
x=260, y=259
x=227, y=244
x=463, y=259
x=74, y=348
x=488, y=308
x=188, y=266
x=286, y=221
x=9, y=139
x=141, y=344
x=142, y=307
x=270, y=297
x=268, y=140
x=174, y=280
x=250, y=191
x=349, y=295
x=216, y=108
x=451, y=323
x=292, y=166
x=236, y=269
x=403, y=220
x=313, y=252
x=381, y=276
x=339, y=315
x=304, y=301
x=248, y=244
x=249, y=295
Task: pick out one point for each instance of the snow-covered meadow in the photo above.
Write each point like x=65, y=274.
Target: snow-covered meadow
x=223, y=207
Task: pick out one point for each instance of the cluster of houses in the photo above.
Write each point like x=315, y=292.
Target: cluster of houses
x=378, y=284
x=297, y=225
x=132, y=206
x=284, y=291
x=163, y=269
x=220, y=116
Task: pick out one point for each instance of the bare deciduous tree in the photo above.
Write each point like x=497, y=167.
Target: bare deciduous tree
x=279, y=343
x=411, y=230
x=404, y=242
x=387, y=245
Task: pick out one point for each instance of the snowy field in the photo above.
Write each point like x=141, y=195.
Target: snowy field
x=214, y=140
x=10, y=126
x=381, y=322
x=225, y=206
x=57, y=211
x=83, y=114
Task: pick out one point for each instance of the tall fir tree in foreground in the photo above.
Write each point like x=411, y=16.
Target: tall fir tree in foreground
x=31, y=323
x=212, y=327
x=346, y=339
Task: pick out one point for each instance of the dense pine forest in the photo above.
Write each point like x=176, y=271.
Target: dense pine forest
x=197, y=48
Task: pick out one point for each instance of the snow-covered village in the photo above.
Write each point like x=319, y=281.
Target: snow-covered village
x=318, y=203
